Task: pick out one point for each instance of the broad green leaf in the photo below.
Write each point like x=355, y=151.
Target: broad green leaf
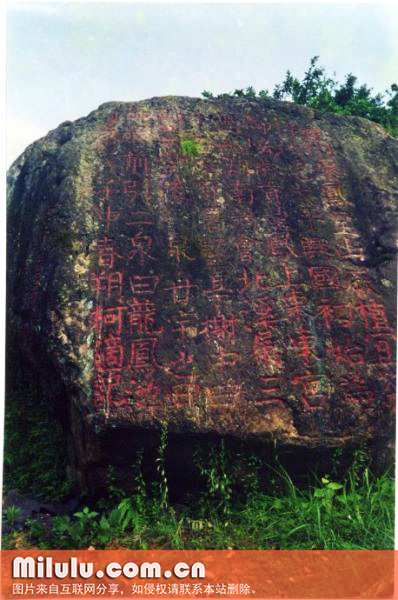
x=334, y=486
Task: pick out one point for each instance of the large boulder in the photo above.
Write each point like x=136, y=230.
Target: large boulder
x=225, y=266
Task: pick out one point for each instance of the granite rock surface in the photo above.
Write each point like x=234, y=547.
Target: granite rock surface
x=225, y=266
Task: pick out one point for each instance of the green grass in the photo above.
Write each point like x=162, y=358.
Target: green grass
x=239, y=503
x=353, y=513
x=190, y=148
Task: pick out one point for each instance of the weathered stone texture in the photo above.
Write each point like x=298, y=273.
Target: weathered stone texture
x=226, y=266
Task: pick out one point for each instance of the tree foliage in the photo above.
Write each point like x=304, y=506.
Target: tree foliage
x=318, y=90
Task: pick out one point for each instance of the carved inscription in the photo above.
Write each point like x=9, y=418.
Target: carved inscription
x=231, y=281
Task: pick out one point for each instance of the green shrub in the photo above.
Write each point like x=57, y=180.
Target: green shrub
x=324, y=93
x=190, y=148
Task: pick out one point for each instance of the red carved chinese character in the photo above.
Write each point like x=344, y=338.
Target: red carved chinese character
x=245, y=281
x=311, y=138
x=246, y=197
x=294, y=299
x=326, y=312
x=212, y=250
x=329, y=169
x=105, y=139
x=264, y=147
x=374, y=317
x=108, y=317
x=181, y=366
x=239, y=194
x=352, y=248
x=226, y=359
x=313, y=217
x=181, y=291
x=136, y=164
x=223, y=396
x=361, y=286
x=333, y=195
x=113, y=316
x=287, y=274
x=273, y=199
x=264, y=282
x=147, y=395
x=234, y=392
x=264, y=169
x=352, y=380
x=111, y=355
x=143, y=353
x=382, y=343
x=220, y=327
x=175, y=188
x=143, y=284
x=111, y=283
x=176, y=251
x=387, y=379
x=106, y=253
x=343, y=225
x=184, y=393
x=217, y=289
x=348, y=352
x=107, y=190
x=113, y=167
x=251, y=122
x=245, y=248
x=315, y=247
x=344, y=315
x=142, y=317
x=141, y=218
x=272, y=196
x=111, y=217
x=185, y=323
x=165, y=129
x=112, y=122
x=317, y=390
x=265, y=351
x=183, y=362
x=231, y=166
x=142, y=244
x=280, y=246
x=211, y=219
x=271, y=392
x=324, y=277
x=107, y=215
x=278, y=224
x=265, y=317
x=106, y=388
x=99, y=392
x=359, y=397
x=130, y=188
x=305, y=342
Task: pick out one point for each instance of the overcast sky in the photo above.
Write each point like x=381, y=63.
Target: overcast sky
x=64, y=59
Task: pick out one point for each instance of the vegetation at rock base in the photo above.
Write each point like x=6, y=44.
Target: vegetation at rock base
x=34, y=446
x=231, y=510
x=347, y=508
x=322, y=92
